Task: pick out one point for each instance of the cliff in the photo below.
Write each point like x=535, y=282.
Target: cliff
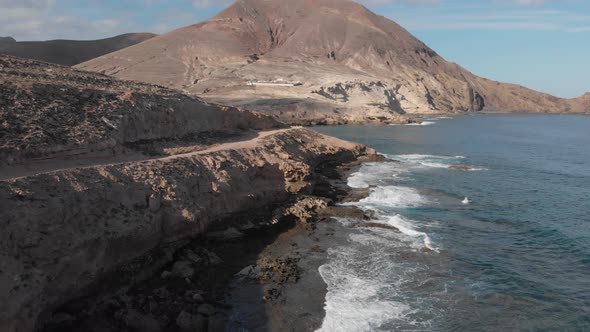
x=65, y=231
x=101, y=176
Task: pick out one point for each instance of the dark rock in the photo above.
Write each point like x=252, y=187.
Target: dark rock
x=216, y=323
x=206, y=309
x=198, y=298
x=213, y=258
x=377, y=225
x=188, y=322
x=271, y=295
x=182, y=269
x=140, y=322
x=192, y=257
x=228, y=234
x=162, y=293
x=250, y=271
x=278, y=270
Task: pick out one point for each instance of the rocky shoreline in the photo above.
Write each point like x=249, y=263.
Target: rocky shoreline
x=257, y=271
x=106, y=231
x=207, y=287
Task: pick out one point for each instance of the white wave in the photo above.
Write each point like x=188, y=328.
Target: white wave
x=371, y=174
x=477, y=169
x=439, y=118
x=392, y=197
x=436, y=165
x=353, y=301
x=423, y=123
x=406, y=227
x=421, y=157
x=432, y=161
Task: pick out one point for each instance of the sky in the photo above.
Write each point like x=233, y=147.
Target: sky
x=541, y=44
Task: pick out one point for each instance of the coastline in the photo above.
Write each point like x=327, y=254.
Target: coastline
x=272, y=284
x=132, y=276
x=297, y=303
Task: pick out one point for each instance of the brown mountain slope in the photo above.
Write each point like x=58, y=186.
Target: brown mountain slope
x=354, y=65
x=582, y=103
x=69, y=52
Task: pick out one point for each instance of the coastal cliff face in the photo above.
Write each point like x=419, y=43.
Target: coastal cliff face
x=103, y=179
x=69, y=52
x=65, y=231
x=353, y=66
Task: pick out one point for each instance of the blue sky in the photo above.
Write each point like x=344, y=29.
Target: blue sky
x=542, y=44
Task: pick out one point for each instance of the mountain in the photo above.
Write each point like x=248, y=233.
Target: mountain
x=69, y=52
x=353, y=66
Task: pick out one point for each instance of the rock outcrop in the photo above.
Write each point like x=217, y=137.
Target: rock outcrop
x=65, y=231
x=69, y=52
x=353, y=66
x=102, y=178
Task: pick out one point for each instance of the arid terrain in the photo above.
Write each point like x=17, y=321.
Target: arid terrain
x=69, y=52
x=346, y=64
x=162, y=187
x=104, y=180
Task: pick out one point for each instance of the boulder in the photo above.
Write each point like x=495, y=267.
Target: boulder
x=188, y=322
x=206, y=309
x=141, y=323
x=183, y=269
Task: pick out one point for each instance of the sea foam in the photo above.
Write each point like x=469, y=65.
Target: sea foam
x=372, y=174
x=393, y=197
x=355, y=286
x=365, y=280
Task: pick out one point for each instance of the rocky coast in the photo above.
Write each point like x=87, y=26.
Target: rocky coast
x=95, y=230
x=132, y=207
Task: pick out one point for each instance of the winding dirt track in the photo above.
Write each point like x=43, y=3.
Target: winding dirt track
x=15, y=172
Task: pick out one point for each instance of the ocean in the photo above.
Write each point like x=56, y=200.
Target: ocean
x=516, y=257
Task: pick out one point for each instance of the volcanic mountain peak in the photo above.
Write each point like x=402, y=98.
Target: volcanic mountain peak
x=341, y=63
x=312, y=28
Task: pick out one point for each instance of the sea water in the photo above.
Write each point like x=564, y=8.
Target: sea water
x=516, y=258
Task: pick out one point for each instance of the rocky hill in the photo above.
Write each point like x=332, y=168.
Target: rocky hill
x=52, y=112
x=69, y=52
x=583, y=103
x=353, y=66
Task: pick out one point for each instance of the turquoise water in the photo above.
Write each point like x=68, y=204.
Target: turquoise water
x=517, y=258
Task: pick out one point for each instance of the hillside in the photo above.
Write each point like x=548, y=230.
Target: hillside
x=353, y=66
x=103, y=180
x=69, y=52
x=49, y=112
